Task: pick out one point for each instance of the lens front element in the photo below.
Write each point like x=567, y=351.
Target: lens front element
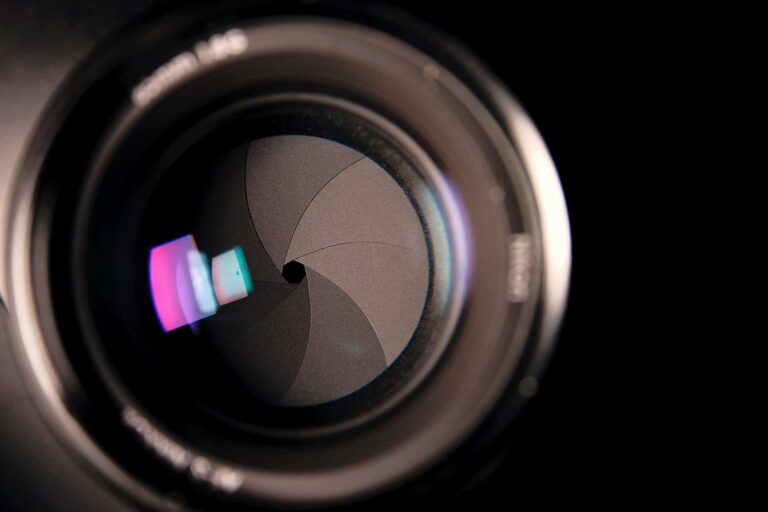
x=319, y=270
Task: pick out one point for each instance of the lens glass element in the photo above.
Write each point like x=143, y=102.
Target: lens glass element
x=296, y=261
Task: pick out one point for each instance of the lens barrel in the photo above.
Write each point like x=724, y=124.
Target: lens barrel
x=284, y=258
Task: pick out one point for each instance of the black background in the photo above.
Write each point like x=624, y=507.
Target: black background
x=590, y=80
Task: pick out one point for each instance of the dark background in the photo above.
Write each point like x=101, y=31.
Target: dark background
x=590, y=80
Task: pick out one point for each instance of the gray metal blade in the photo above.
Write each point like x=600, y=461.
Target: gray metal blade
x=224, y=221
x=363, y=203
x=387, y=282
x=264, y=342
x=283, y=175
x=343, y=353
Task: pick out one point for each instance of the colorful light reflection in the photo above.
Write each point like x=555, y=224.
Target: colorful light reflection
x=181, y=285
x=231, y=279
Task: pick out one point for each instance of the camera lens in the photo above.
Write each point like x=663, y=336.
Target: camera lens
x=285, y=260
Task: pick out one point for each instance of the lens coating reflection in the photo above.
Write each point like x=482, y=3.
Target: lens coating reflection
x=180, y=282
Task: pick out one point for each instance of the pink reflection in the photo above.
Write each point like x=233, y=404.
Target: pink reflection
x=180, y=283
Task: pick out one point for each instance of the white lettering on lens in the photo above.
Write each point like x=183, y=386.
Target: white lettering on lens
x=216, y=48
x=226, y=479
x=519, y=267
x=220, y=477
x=200, y=468
x=175, y=454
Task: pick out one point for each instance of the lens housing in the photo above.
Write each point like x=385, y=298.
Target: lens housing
x=501, y=265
